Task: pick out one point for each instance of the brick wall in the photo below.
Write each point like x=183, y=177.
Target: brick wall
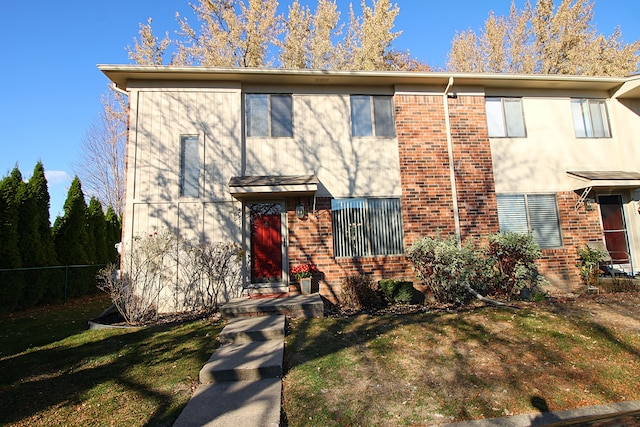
x=310, y=241
x=424, y=165
x=477, y=205
x=578, y=228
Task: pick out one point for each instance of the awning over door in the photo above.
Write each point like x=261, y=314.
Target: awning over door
x=242, y=187
x=587, y=180
x=590, y=179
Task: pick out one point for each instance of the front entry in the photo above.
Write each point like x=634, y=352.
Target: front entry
x=615, y=230
x=266, y=242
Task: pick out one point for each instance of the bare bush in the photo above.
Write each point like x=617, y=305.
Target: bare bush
x=163, y=266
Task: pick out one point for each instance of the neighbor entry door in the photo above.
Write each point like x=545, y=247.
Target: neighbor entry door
x=614, y=226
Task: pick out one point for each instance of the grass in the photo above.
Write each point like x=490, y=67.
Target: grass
x=433, y=368
x=412, y=369
x=53, y=371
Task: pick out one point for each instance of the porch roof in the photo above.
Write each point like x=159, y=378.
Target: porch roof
x=590, y=179
x=272, y=185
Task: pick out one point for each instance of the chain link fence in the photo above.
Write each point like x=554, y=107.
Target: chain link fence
x=21, y=288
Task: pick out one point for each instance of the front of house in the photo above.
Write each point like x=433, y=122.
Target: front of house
x=345, y=170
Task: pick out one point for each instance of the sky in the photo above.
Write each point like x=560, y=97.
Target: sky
x=51, y=87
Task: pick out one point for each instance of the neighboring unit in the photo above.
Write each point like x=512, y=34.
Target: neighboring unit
x=345, y=170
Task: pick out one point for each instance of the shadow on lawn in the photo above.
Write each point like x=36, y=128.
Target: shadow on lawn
x=66, y=375
x=486, y=362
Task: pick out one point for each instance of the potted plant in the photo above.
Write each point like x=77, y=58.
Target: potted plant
x=303, y=273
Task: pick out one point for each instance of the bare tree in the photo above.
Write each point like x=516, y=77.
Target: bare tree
x=102, y=154
x=546, y=40
x=233, y=33
x=148, y=49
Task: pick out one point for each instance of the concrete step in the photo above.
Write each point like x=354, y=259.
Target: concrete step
x=250, y=329
x=234, y=404
x=244, y=362
x=296, y=305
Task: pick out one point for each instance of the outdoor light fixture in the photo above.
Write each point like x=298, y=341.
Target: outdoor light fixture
x=588, y=204
x=300, y=211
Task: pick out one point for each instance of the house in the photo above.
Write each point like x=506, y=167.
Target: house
x=346, y=170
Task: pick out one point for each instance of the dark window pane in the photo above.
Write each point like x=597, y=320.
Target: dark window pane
x=383, y=114
x=281, y=115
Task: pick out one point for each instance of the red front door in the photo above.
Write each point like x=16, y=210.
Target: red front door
x=266, y=242
x=615, y=231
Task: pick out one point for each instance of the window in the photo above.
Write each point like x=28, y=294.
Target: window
x=372, y=116
x=533, y=213
x=189, y=166
x=367, y=227
x=590, y=118
x=505, y=117
x=269, y=115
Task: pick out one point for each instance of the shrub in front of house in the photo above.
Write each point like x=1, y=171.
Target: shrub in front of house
x=447, y=268
x=360, y=292
x=502, y=268
x=511, y=258
x=397, y=291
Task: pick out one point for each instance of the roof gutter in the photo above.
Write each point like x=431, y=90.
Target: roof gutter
x=452, y=172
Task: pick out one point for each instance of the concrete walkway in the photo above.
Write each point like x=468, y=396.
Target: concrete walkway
x=241, y=383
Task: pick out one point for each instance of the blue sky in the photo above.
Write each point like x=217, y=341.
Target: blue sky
x=51, y=86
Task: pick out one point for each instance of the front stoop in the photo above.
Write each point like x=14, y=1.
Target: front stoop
x=295, y=305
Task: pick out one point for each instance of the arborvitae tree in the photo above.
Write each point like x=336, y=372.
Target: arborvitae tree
x=11, y=283
x=34, y=221
x=96, y=227
x=114, y=234
x=29, y=242
x=39, y=189
x=70, y=231
x=71, y=238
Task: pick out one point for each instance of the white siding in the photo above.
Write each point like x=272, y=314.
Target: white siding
x=322, y=145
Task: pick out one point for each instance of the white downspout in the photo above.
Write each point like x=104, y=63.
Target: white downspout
x=452, y=172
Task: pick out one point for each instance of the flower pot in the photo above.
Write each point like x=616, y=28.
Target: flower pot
x=305, y=285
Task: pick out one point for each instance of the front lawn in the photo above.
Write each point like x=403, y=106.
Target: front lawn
x=53, y=371
x=438, y=367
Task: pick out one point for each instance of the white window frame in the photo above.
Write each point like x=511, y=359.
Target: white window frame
x=368, y=121
x=267, y=116
x=505, y=117
x=590, y=118
x=535, y=214
x=367, y=227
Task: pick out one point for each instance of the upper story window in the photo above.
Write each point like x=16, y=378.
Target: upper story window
x=189, y=166
x=505, y=118
x=531, y=213
x=269, y=115
x=590, y=118
x=372, y=116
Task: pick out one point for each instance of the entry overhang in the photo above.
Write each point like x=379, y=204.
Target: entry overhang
x=242, y=187
x=599, y=179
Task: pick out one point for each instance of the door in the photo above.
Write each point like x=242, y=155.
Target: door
x=615, y=230
x=266, y=242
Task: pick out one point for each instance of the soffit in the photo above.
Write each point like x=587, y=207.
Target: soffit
x=123, y=74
